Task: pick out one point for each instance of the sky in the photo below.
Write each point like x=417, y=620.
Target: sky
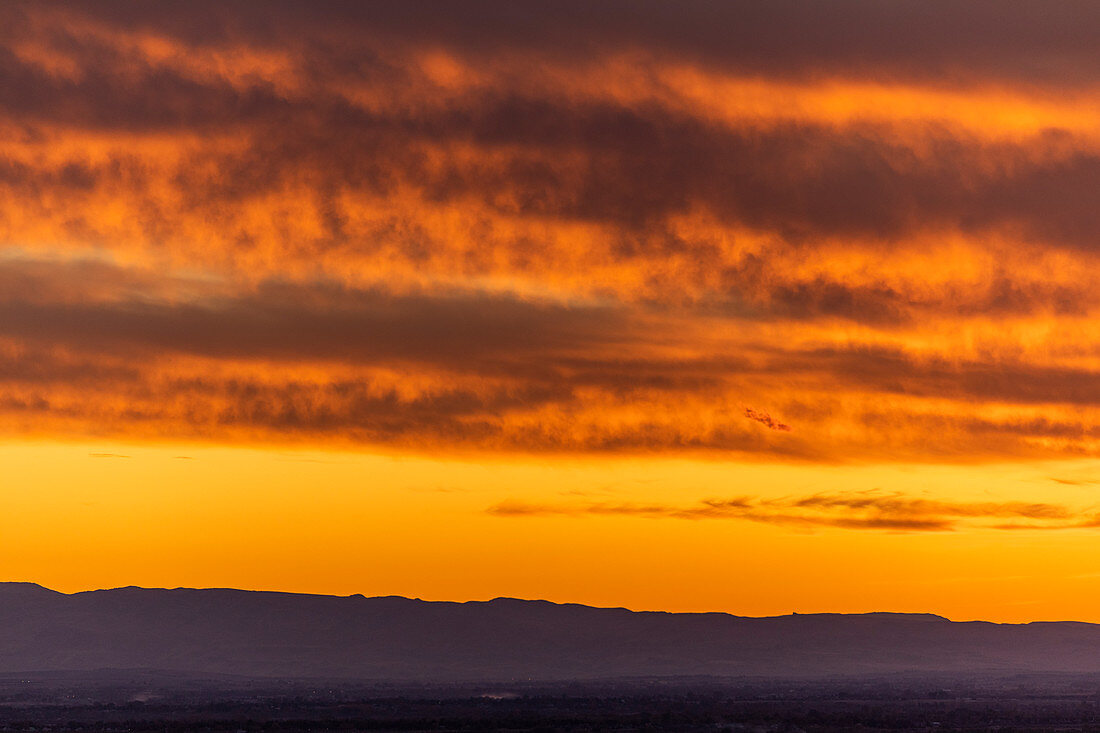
x=732, y=306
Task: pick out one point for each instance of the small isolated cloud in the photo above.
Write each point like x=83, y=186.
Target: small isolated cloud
x=106, y=455
x=845, y=510
x=767, y=420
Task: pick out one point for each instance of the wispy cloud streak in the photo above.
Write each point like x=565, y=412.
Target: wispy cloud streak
x=842, y=510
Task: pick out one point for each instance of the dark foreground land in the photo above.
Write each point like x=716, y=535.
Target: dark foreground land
x=249, y=661
x=144, y=701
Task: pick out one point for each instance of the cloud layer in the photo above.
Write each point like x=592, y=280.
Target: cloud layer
x=762, y=231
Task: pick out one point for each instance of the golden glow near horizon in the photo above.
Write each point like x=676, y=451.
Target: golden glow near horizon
x=612, y=310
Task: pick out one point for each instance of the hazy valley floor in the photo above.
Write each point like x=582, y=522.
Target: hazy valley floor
x=144, y=701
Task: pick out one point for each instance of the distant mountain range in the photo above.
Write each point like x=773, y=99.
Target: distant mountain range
x=285, y=635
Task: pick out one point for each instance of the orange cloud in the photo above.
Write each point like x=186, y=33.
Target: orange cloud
x=481, y=232
x=843, y=510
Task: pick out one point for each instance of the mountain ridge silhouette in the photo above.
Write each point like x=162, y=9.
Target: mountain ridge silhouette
x=273, y=634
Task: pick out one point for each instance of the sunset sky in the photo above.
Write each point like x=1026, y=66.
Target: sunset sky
x=754, y=307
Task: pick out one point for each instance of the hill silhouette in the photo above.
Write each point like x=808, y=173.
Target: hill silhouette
x=268, y=634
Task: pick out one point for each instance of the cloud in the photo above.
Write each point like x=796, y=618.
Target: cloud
x=767, y=420
x=290, y=176
x=843, y=510
x=93, y=348
x=331, y=177
x=317, y=323
x=1006, y=41
x=506, y=229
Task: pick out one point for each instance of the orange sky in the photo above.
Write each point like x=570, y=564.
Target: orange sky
x=693, y=307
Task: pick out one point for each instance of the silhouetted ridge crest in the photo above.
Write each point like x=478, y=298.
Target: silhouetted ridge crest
x=291, y=635
x=11, y=589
